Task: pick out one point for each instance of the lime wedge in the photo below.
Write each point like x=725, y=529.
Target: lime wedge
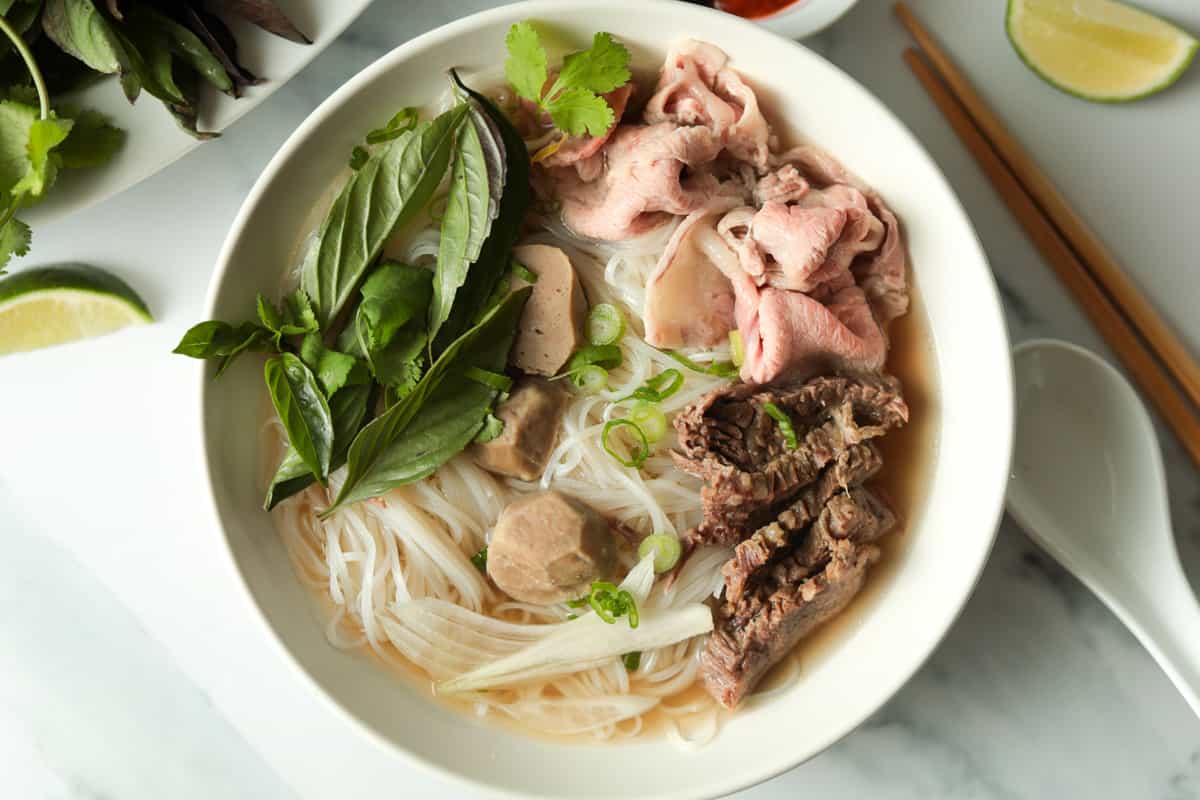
x=1098, y=49
x=46, y=306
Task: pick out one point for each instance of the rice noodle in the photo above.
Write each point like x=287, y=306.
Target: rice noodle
x=396, y=570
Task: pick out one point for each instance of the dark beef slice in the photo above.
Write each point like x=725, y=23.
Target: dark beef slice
x=727, y=439
x=783, y=600
x=851, y=467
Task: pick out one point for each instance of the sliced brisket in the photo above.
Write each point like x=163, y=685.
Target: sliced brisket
x=851, y=467
x=750, y=472
x=800, y=587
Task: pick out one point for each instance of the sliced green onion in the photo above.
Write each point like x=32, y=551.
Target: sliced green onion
x=604, y=355
x=737, y=348
x=666, y=549
x=610, y=603
x=591, y=379
x=523, y=272
x=785, y=423
x=632, y=660
x=721, y=369
x=639, y=455
x=480, y=559
x=650, y=419
x=493, y=380
x=401, y=122
x=657, y=388
x=605, y=324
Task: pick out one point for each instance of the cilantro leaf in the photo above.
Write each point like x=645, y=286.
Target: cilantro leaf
x=600, y=69
x=525, y=67
x=578, y=111
x=42, y=167
x=15, y=122
x=14, y=241
x=574, y=102
x=92, y=141
x=28, y=163
x=332, y=368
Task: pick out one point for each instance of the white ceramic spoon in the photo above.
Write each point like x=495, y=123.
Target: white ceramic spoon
x=1088, y=486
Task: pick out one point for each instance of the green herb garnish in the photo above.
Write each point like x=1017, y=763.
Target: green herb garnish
x=605, y=356
x=363, y=335
x=573, y=101
x=610, y=603
x=640, y=453
x=605, y=324
x=401, y=122
x=632, y=660
x=785, y=424
x=523, y=272
x=666, y=549
x=480, y=559
x=721, y=369
x=657, y=388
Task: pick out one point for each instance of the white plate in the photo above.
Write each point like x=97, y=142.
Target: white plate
x=154, y=140
x=910, y=607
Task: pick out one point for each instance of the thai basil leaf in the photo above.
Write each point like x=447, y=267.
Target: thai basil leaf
x=220, y=340
x=20, y=14
x=386, y=453
x=465, y=224
x=294, y=319
x=300, y=309
x=79, y=29
x=303, y=410
x=149, y=56
x=348, y=408
x=266, y=14
x=389, y=190
x=498, y=136
x=332, y=368
x=185, y=44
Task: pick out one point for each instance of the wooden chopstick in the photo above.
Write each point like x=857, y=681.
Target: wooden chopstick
x=1140, y=363
x=1161, y=339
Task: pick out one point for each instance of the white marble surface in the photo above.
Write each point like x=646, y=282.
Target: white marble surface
x=129, y=669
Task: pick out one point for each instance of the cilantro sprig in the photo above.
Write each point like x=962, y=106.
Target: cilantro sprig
x=573, y=101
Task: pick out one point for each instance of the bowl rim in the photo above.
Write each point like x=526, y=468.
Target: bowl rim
x=394, y=58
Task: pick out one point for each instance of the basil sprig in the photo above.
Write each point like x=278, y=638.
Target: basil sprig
x=355, y=339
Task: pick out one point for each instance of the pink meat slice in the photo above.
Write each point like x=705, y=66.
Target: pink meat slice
x=698, y=87
x=883, y=273
x=786, y=332
x=796, y=243
x=640, y=181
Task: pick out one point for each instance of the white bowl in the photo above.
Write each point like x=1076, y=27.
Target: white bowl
x=913, y=602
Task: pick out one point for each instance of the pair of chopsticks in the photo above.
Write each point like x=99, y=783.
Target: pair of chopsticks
x=1156, y=359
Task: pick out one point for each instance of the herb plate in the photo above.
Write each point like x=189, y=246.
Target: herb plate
x=154, y=140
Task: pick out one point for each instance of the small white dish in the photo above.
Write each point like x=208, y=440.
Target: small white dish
x=805, y=17
x=912, y=600
x=153, y=140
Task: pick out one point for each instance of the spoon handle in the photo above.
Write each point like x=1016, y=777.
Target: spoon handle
x=1164, y=616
